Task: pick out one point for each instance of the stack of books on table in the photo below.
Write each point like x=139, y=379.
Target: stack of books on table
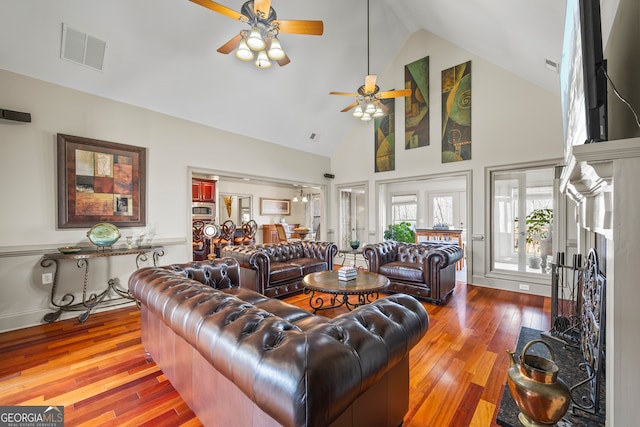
x=347, y=273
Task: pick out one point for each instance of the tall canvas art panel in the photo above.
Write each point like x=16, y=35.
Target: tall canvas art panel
x=384, y=137
x=416, y=110
x=456, y=113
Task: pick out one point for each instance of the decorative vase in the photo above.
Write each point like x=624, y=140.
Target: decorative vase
x=355, y=244
x=542, y=398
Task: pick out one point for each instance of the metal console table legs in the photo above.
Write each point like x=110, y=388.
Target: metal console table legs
x=93, y=299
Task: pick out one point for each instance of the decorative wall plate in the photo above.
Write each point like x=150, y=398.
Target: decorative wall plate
x=103, y=234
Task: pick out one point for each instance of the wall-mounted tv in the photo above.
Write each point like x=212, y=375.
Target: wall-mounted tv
x=583, y=82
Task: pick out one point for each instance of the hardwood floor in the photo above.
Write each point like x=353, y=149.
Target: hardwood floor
x=99, y=370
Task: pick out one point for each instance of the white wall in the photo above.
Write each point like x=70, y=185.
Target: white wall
x=513, y=121
x=28, y=176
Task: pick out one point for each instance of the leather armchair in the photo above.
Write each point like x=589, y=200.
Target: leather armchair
x=425, y=270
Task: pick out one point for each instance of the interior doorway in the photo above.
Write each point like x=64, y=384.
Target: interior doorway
x=247, y=193
x=353, y=214
x=442, y=198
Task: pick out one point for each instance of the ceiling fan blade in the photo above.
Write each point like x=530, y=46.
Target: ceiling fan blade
x=343, y=94
x=284, y=61
x=349, y=107
x=394, y=93
x=263, y=6
x=370, y=83
x=314, y=28
x=229, y=46
x=216, y=7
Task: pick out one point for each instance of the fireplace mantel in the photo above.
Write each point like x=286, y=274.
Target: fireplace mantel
x=603, y=179
x=588, y=180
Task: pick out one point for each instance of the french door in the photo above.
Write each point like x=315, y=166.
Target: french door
x=353, y=215
x=519, y=196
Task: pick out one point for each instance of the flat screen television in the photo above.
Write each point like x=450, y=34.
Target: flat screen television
x=583, y=83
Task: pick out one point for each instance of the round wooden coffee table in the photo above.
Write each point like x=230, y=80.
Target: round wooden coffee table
x=366, y=286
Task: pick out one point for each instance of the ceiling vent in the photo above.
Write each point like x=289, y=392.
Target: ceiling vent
x=551, y=65
x=82, y=48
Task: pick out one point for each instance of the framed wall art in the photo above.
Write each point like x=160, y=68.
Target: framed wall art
x=385, y=137
x=275, y=206
x=100, y=181
x=416, y=105
x=456, y=113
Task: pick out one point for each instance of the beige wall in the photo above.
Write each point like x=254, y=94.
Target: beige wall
x=28, y=177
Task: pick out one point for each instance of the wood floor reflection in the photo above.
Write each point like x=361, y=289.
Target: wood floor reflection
x=99, y=370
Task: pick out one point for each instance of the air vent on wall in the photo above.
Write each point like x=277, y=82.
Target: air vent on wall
x=82, y=48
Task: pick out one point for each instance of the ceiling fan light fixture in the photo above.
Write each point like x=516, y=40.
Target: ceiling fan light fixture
x=243, y=53
x=255, y=41
x=378, y=113
x=262, y=61
x=358, y=111
x=366, y=117
x=370, y=108
x=275, y=51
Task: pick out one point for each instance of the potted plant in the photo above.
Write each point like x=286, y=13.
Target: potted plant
x=402, y=232
x=538, y=230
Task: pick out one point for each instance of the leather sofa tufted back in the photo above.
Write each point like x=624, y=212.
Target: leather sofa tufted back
x=301, y=369
x=220, y=273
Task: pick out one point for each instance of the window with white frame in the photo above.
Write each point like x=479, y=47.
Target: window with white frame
x=442, y=210
x=404, y=208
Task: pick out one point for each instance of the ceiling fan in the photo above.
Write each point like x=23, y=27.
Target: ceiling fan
x=367, y=104
x=262, y=36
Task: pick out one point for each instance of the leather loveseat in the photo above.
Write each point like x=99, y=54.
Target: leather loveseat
x=425, y=270
x=276, y=270
x=238, y=358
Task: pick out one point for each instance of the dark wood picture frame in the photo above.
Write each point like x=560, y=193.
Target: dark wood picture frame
x=275, y=206
x=100, y=181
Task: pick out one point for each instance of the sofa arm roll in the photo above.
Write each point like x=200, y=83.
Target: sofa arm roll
x=253, y=258
x=444, y=256
x=378, y=254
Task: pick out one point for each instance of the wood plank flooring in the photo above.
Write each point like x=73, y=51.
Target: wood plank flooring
x=100, y=373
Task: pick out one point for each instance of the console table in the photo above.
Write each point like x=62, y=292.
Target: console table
x=443, y=235
x=66, y=302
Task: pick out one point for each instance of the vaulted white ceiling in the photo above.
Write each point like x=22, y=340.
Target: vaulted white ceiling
x=161, y=55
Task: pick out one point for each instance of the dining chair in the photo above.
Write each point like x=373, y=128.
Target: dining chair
x=248, y=237
x=227, y=231
x=282, y=233
x=201, y=245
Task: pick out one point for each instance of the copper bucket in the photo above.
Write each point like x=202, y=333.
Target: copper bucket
x=542, y=398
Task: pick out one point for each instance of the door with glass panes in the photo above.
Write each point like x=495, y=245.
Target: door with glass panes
x=521, y=217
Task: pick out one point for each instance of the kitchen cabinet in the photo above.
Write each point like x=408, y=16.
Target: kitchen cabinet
x=203, y=190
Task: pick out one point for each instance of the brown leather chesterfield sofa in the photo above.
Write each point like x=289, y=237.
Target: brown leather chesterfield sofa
x=425, y=270
x=238, y=358
x=276, y=270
